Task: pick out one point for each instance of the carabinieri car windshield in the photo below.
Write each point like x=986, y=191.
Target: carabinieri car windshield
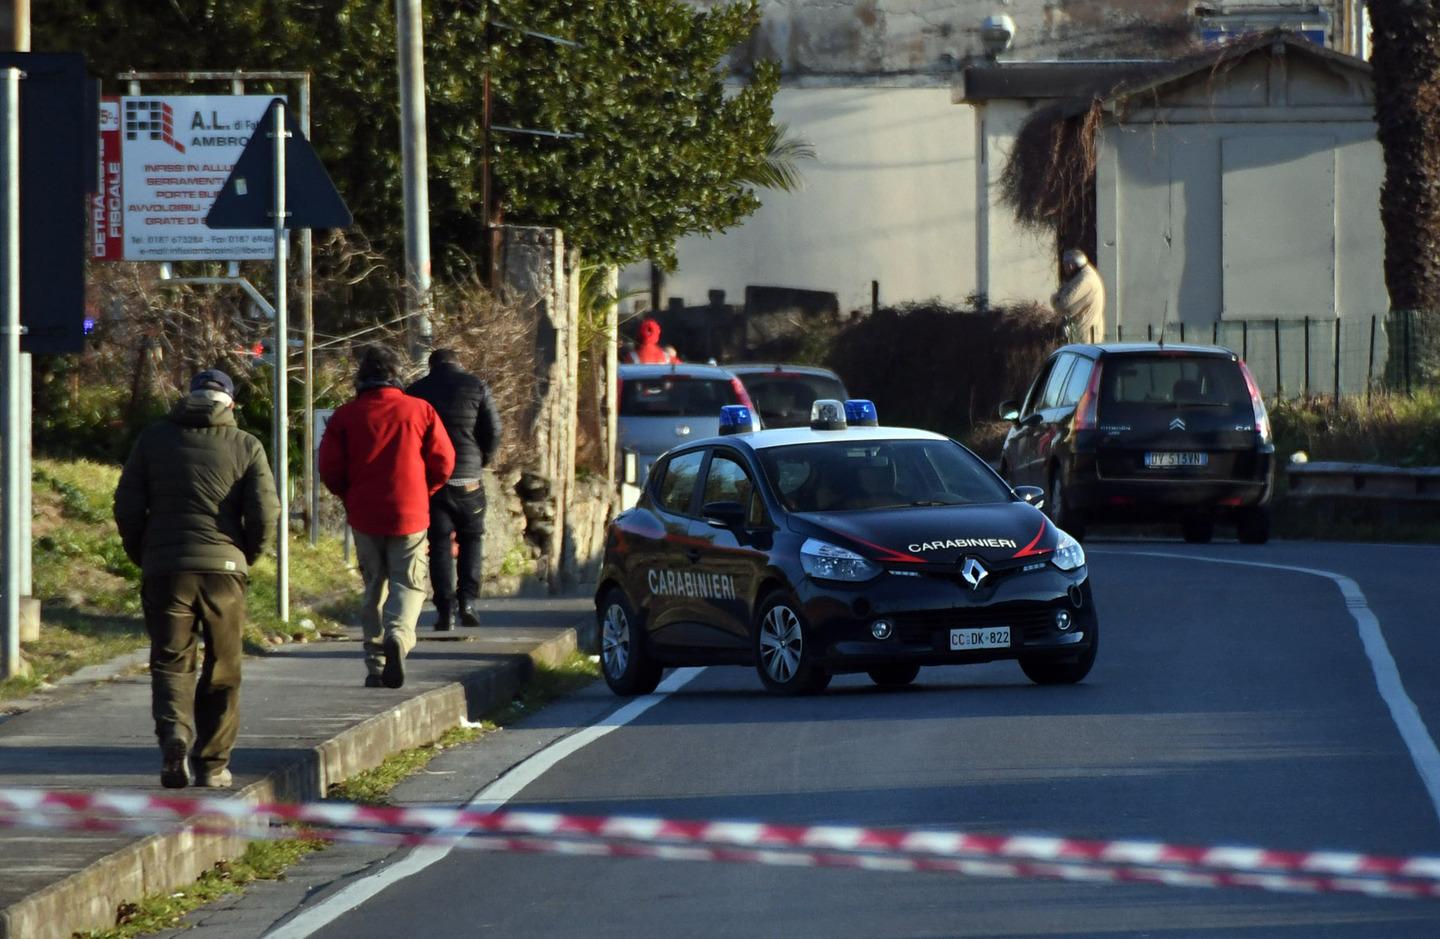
x=841, y=547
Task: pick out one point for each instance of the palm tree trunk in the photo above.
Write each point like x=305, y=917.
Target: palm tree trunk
x=1406, y=59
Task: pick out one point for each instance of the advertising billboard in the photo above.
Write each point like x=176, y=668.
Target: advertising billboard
x=163, y=158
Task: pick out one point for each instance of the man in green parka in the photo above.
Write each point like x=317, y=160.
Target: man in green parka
x=196, y=505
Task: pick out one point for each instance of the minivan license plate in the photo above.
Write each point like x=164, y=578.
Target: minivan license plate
x=992, y=637
x=1162, y=458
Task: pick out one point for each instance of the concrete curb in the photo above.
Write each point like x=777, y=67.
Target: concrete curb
x=90, y=898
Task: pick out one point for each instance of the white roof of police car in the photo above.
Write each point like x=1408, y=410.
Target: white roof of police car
x=792, y=436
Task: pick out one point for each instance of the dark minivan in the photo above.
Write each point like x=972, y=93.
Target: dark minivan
x=1145, y=432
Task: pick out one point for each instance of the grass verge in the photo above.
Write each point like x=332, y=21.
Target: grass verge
x=262, y=860
x=373, y=786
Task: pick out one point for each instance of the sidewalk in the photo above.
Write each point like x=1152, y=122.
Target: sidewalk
x=306, y=722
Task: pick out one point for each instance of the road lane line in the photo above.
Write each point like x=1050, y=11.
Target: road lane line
x=1404, y=713
x=489, y=799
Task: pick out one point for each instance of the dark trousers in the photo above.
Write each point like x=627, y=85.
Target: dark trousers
x=454, y=510
x=202, y=708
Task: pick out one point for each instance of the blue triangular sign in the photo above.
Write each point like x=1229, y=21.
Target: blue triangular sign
x=248, y=197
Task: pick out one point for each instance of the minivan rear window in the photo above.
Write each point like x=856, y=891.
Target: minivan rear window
x=676, y=396
x=784, y=398
x=1172, y=381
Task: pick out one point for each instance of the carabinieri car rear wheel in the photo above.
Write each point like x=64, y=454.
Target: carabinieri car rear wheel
x=784, y=657
x=628, y=669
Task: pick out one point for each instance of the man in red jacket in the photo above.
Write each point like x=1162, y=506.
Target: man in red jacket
x=385, y=454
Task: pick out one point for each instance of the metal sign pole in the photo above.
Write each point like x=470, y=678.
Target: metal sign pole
x=282, y=369
x=10, y=416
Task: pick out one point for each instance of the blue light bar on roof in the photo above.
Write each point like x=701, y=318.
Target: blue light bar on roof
x=861, y=413
x=736, y=419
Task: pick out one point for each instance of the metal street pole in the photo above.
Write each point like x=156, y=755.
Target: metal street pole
x=10, y=443
x=282, y=369
x=19, y=40
x=414, y=163
x=307, y=310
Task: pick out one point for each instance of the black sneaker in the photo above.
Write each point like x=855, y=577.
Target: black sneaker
x=394, y=674
x=175, y=770
x=468, y=616
x=444, y=618
x=373, y=681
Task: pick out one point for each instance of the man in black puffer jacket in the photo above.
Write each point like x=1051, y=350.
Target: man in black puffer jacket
x=196, y=505
x=469, y=415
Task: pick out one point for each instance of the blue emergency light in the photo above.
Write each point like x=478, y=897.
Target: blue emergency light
x=861, y=413
x=736, y=419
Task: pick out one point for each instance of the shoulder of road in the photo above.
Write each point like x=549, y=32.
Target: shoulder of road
x=307, y=722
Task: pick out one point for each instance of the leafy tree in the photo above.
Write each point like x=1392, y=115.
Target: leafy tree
x=667, y=150
x=1406, y=59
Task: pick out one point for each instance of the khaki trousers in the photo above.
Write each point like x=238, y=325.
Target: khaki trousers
x=202, y=709
x=394, y=570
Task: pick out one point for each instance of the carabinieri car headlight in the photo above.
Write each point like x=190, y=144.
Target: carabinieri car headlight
x=826, y=561
x=1068, y=554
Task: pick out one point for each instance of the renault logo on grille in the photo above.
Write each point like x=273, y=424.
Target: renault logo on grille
x=1178, y=424
x=974, y=573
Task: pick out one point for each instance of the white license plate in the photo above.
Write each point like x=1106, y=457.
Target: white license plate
x=1163, y=458
x=992, y=637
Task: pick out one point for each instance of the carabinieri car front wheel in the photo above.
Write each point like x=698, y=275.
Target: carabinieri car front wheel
x=628, y=668
x=784, y=654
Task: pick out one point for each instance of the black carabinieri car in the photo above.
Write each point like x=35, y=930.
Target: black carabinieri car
x=837, y=548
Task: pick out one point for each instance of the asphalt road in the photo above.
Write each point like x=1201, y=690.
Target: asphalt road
x=1230, y=704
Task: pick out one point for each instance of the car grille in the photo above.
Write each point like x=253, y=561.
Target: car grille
x=1026, y=623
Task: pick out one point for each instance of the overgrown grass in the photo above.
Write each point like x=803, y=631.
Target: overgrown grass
x=373, y=787
x=90, y=591
x=1392, y=429
x=262, y=860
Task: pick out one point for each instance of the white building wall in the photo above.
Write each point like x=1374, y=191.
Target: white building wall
x=890, y=197
x=1164, y=243
x=1013, y=263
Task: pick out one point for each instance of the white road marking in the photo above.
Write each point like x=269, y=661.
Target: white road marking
x=490, y=799
x=1417, y=737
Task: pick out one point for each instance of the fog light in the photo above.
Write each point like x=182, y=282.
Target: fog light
x=1062, y=620
x=882, y=629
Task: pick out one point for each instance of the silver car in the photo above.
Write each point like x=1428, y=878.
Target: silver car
x=662, y=406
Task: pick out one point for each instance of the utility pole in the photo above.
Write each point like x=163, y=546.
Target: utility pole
x=414, y=161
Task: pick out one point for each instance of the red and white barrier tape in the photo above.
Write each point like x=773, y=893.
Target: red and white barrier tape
x=739, y=842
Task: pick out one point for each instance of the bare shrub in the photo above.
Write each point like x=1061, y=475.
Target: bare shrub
x=941, y=367
x=495, y=340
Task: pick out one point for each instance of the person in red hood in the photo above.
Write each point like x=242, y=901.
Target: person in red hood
x=650, y=352
x=385, y=454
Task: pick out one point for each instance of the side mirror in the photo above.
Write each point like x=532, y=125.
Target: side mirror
x=1032, y=419
x=724, y=514
x=1010, y=411
x=1031, y=495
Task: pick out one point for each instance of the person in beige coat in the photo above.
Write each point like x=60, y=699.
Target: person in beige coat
x=1081, y=299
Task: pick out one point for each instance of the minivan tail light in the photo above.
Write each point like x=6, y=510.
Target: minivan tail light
x=1257, y=404
x=741, y=394
x=1089, y=402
